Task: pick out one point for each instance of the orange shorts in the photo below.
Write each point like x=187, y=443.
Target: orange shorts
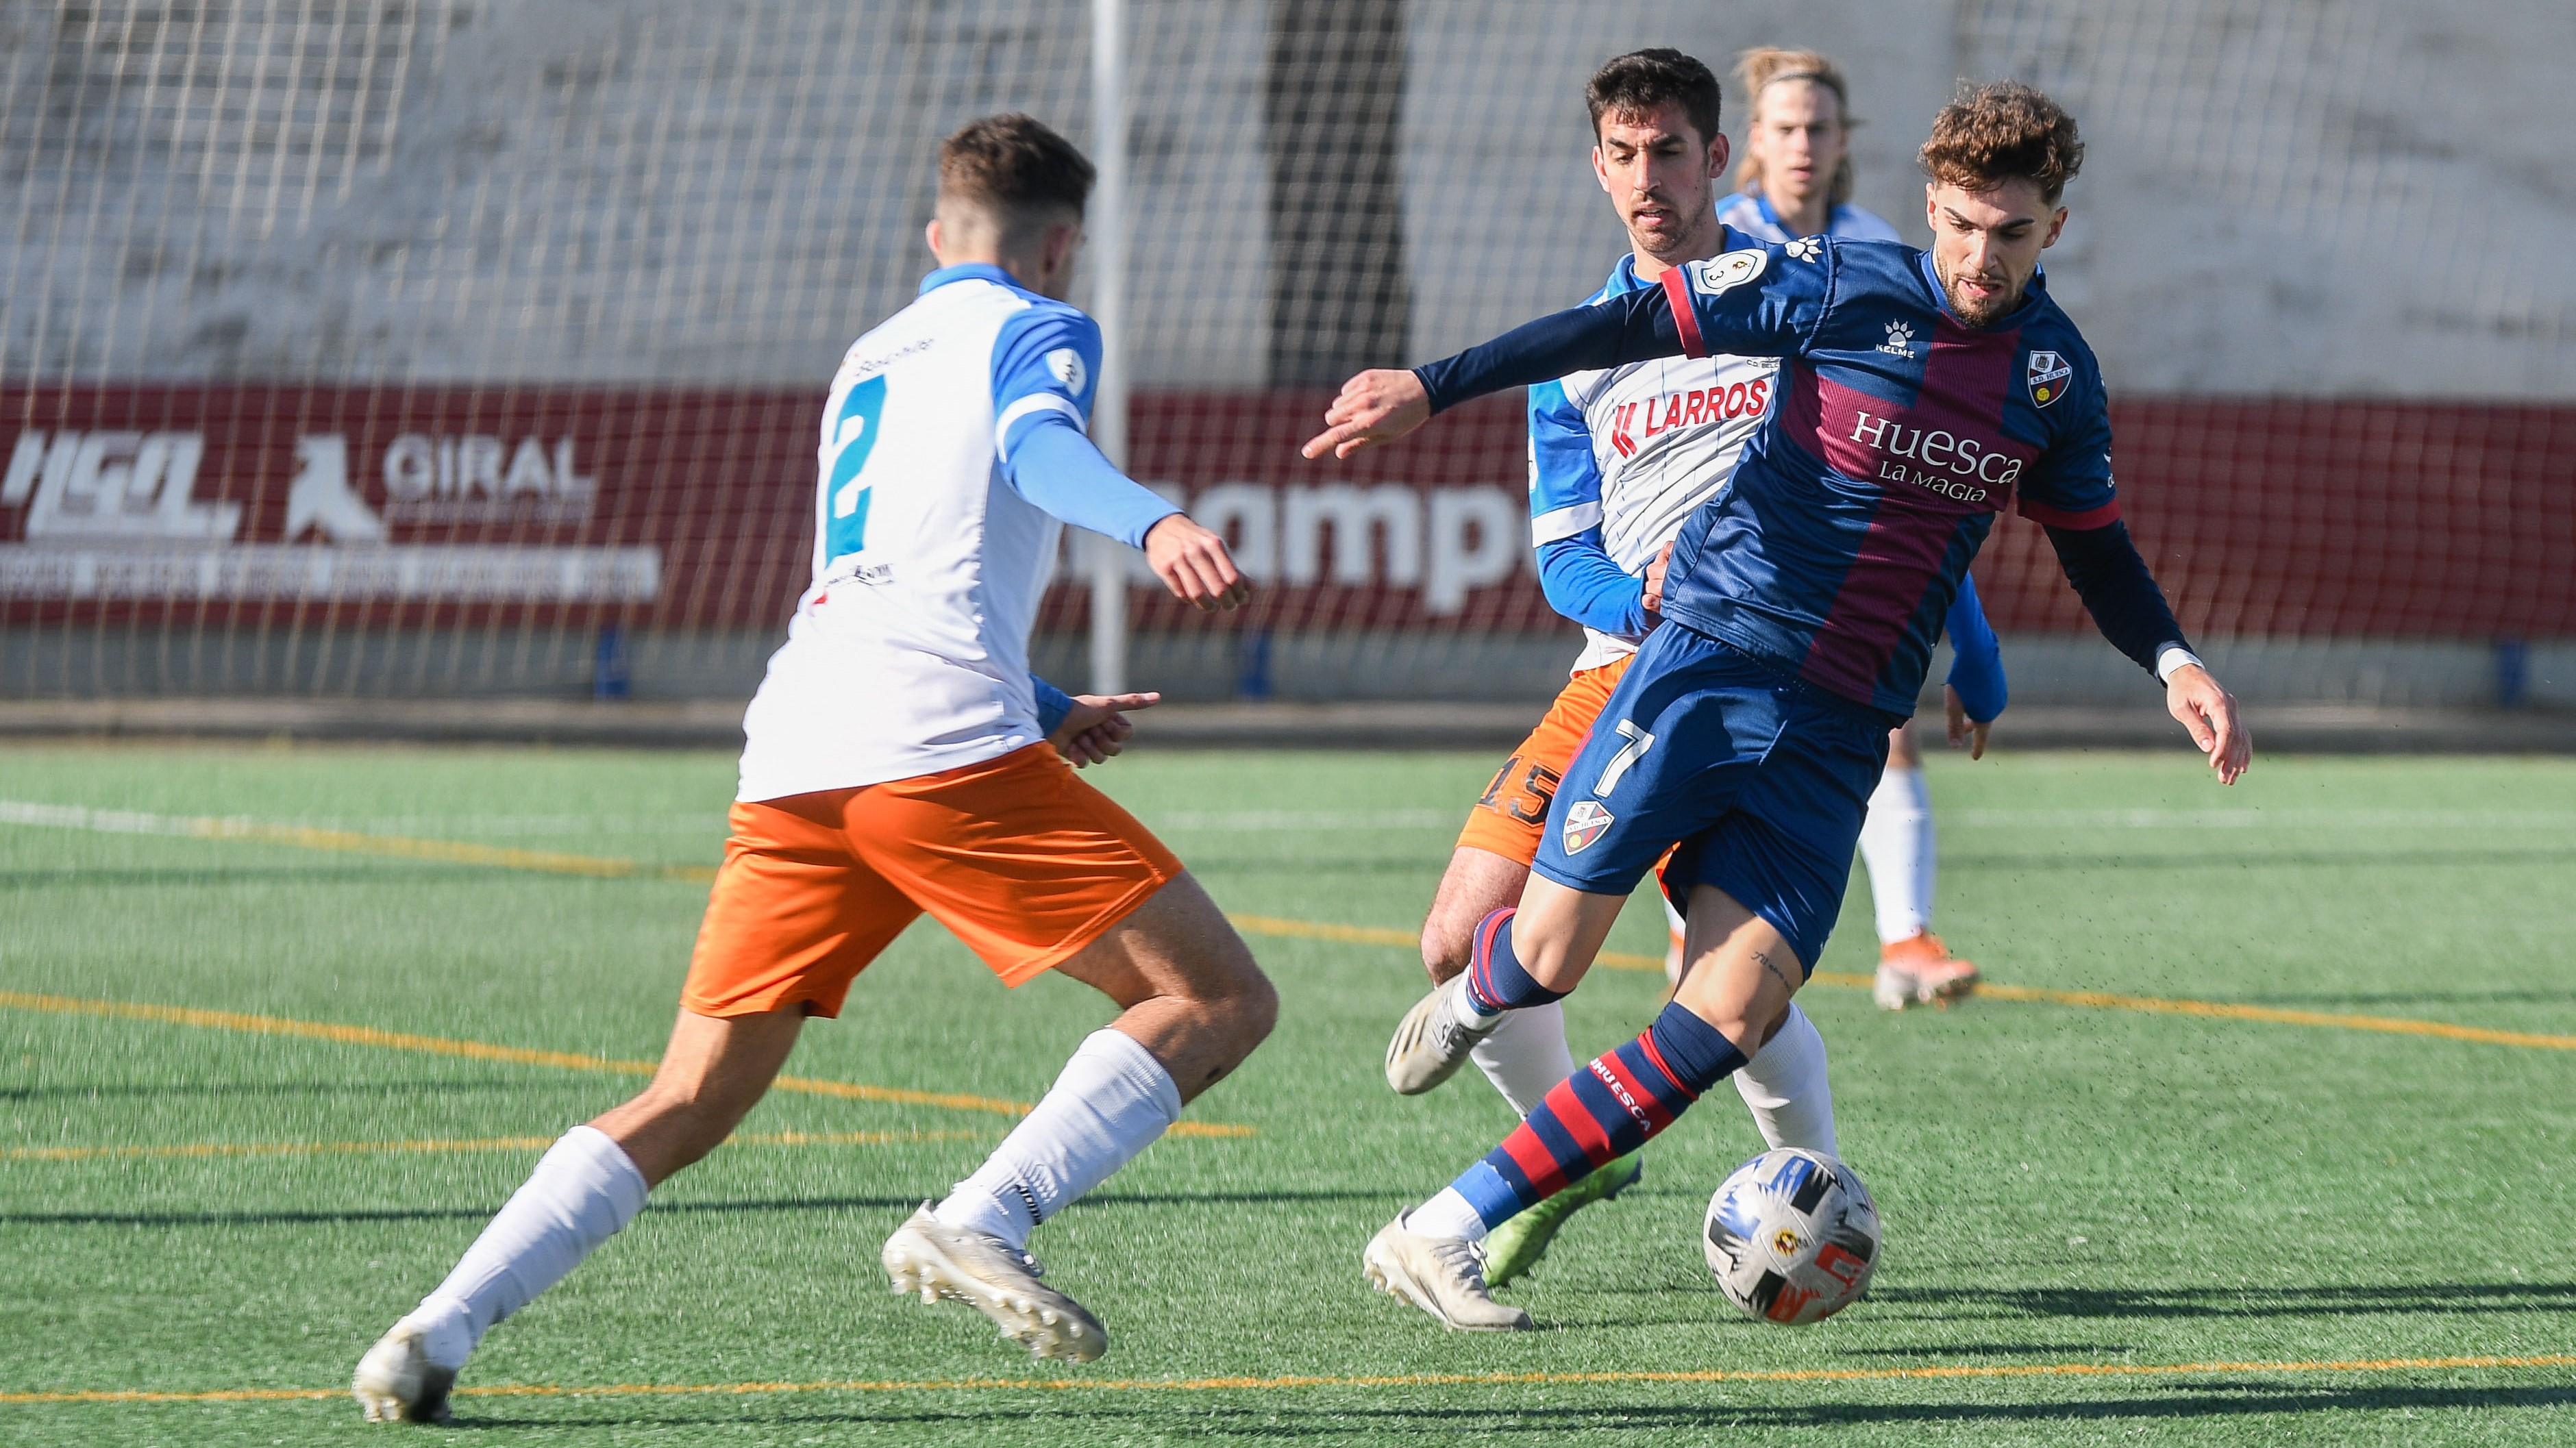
x=1022, y=860
x=1512, y=815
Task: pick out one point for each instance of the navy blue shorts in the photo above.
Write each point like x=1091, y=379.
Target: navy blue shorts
x=1759, y=779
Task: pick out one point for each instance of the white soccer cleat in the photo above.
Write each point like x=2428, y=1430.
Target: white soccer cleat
x=1434, y=1038
x=1441, y=1275
x=397, y=1383
x=928, y=1257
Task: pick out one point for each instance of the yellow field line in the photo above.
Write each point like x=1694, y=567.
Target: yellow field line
x=2224, y=1010
x=1391, y=1380
x=515, y=1055
x=445, y=1145
x=2087, y=999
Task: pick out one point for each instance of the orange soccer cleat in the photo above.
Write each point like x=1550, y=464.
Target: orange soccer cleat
x=1919, y=970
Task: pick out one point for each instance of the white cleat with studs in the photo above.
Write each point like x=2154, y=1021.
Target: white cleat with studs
x=928, y=1257
x=397, y=1383
x=1441, y=1275
x=1434, y=1038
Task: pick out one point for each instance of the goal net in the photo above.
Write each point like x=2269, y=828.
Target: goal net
x=397, y=349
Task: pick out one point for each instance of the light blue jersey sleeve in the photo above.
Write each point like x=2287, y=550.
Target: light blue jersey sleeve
x=1977, y=661
x=1046, y=364
x=1575, y=571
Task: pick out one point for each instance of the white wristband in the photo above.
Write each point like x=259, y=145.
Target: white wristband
x=2172, y=657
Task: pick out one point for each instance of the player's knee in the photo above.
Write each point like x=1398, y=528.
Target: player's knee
x=1247, y=1005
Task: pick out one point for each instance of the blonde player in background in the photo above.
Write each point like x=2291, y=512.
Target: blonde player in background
x=1796, y=181
x=900, y=759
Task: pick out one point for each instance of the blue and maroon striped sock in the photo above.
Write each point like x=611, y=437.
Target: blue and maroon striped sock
x=1495, y=980
x=1605, y=1110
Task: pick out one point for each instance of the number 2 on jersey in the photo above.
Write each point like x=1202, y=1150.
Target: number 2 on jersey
x=854, y=436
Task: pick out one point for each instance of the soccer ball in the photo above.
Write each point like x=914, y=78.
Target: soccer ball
x=1792, y=1237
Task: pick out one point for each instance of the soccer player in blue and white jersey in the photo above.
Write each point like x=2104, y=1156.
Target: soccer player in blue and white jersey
x=1922, y=392
x=900, y=760
x=1619, y=459
x=1796, y=181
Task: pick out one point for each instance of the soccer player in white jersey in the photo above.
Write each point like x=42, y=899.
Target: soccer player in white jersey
x=1795, y=181
x=1618, y=460
x=899, y=759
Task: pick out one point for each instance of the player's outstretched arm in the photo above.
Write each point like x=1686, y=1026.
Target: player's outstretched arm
x=1383, y=404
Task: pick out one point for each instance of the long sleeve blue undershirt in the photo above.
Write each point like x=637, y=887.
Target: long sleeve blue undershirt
x=1055, y=467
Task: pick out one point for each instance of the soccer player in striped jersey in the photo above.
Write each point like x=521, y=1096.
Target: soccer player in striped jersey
x=1796, y=181
x=1619, y=458
x=901, y=760
x=1922, y=392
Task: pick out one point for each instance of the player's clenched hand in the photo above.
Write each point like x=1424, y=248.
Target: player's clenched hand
x=1655, y=573
x=2209, y=712
x=1964, y=731
x=1097, y=727
x=1377, y=406
x=1193, y=564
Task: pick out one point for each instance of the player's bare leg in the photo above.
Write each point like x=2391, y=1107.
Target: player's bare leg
x=1193, y=1006
x=1736, y=991
x=589, y=1185
x=1898, y=845
x=1525, y=1053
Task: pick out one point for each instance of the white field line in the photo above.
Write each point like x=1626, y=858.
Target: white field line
x=1267, y=821
x=139, y=822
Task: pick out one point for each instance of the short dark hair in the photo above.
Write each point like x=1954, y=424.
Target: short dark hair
x=1014, y=167
x=1633, y=85
x=2002, y=132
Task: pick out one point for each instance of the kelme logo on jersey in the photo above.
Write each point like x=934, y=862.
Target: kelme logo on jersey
x=1585, y=823
x=2048, y=375
x=1724, y=273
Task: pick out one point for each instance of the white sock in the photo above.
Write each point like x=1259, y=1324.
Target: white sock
x=1785, y=1086
x=1897, y=843
x=1526, y=1056
x=1447, y=1215
x=1675, y=927
x=1111, y=1101
x=584, y=1189
x=1463, y=1000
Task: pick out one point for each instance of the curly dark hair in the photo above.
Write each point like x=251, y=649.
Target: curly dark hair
x=2005, y=131
x=1632, y=85
x=1015, y=167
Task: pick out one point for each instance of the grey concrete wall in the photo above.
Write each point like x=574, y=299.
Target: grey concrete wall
x=2363, y=196
x=570, y=190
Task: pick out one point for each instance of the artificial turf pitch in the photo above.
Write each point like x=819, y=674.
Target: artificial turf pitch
x=2096, y=1219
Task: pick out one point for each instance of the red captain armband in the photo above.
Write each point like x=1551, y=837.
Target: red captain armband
x=1676, y=285
x=2090, y=518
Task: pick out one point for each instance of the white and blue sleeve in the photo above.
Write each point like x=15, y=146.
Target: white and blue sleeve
x=1576, y=572
x=1046, y=364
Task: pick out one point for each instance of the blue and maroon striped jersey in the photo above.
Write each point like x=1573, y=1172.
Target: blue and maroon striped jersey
x=1899, y=435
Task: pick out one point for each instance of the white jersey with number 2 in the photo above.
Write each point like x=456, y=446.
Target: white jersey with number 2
x=908, y=653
